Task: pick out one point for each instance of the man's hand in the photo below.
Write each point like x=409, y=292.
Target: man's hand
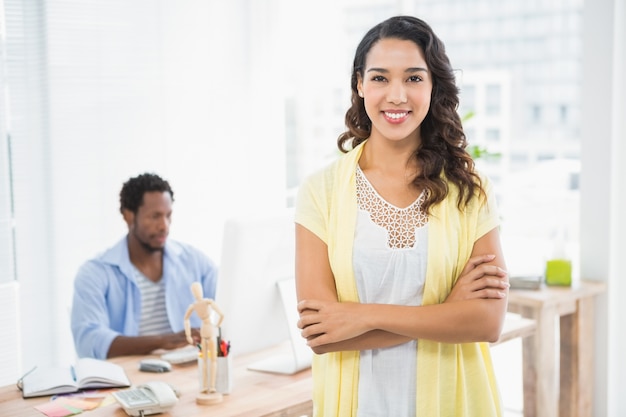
x=178, y=340
x=144, y=345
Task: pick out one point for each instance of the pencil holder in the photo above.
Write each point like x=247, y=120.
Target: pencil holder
x=223, y=378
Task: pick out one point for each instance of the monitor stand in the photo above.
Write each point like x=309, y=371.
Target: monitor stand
x=300, y=355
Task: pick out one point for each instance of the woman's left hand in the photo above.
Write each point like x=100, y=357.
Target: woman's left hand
x=479, y=279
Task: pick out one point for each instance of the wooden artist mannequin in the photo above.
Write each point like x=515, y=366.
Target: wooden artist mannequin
x=208, y=344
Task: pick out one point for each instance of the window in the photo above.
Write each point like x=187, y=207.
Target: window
x=468, y=99
x=492, y=135
x=535, y=114
x=563, y=114
x=492, y=101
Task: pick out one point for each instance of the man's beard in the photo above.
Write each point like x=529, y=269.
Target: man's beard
x=147, y=246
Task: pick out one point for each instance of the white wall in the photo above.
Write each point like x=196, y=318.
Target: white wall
x=192, y=99
x=603, y=193
x=617, y=309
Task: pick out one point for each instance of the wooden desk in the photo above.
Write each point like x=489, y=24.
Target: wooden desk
x=547, y=394
x=254, y=394
x=516, y=326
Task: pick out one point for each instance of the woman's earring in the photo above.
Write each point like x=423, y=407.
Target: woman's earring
x=361, y=94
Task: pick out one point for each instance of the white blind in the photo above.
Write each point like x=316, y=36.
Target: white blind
x=10, y=366
x=86, y=101
x=7, y=263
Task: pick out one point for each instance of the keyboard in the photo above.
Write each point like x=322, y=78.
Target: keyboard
x=184, y=355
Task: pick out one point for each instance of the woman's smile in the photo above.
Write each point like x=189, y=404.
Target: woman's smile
x=396, y=116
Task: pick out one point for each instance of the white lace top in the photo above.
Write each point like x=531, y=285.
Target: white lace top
x=390, y=253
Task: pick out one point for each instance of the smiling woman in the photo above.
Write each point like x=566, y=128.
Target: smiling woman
x=399, y=269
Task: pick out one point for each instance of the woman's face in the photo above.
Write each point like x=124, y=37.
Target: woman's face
x=396, y=87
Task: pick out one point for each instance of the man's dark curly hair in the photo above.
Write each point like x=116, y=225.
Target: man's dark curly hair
x=131, y=196
x=443, y=143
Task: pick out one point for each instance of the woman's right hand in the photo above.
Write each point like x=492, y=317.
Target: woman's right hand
x=479, y=279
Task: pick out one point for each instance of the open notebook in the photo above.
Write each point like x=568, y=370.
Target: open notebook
x=87, y=373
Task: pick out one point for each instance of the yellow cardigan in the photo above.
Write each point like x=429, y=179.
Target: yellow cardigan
x=454, y=380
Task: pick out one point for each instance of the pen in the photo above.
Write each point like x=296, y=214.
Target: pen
x=224, y=348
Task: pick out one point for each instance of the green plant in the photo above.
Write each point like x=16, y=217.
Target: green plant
x=477, y=151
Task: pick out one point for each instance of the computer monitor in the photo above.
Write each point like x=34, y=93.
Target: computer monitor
x=256, y=290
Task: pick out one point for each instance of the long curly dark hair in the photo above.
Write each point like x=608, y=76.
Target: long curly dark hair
x=131, y=195
x=442, y=149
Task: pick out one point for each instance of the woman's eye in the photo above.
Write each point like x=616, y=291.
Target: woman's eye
x=379, y=78
x=414, y=79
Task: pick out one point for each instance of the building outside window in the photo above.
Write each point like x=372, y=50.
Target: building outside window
x=518, y=67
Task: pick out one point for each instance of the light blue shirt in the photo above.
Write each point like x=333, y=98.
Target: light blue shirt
x=107, y=301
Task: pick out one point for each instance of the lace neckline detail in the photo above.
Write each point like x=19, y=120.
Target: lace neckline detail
x=400, y=223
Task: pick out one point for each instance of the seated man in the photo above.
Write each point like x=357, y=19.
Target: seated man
x=132, y=299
